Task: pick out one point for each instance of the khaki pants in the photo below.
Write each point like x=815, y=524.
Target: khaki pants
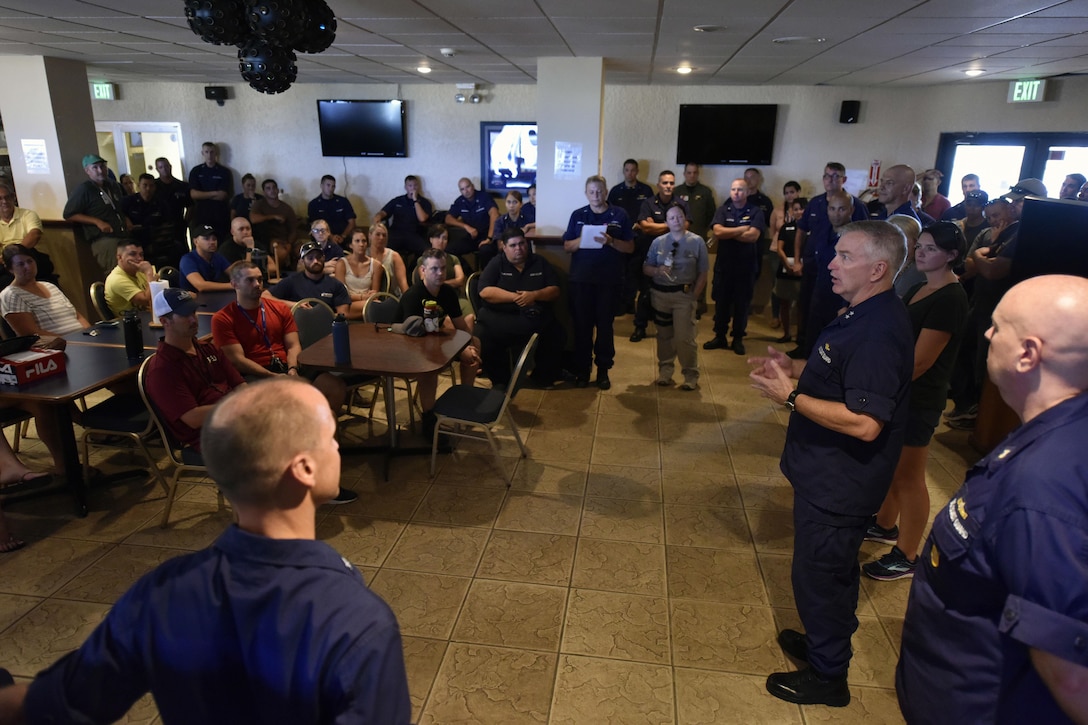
x=674, y=317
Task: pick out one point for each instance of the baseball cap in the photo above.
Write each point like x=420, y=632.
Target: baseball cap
x=91, y=159
x=172, y=301
x=202, y=230
x=1025, y=187
x=977, y=197
x=310, y=248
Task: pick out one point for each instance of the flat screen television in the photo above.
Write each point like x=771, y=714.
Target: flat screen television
x=726, y=134
x=362, y=128
x=508, y=155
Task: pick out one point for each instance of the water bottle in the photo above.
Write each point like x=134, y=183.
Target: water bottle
x=341, y=343
x=134, y=336
x=430, y=316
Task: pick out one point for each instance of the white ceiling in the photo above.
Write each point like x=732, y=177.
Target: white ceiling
x=867, y=42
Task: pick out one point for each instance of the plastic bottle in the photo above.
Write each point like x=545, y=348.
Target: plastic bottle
x=134, y=337
x=430, y=316
x=341, y=343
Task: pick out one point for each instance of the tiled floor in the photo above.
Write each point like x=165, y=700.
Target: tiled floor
x=636, y=572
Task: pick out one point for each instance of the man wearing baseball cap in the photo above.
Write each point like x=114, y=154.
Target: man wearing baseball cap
x=313, y=282
x=204, y=269
x=96, y=206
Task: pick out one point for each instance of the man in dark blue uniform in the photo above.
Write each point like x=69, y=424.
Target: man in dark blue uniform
x=650, y=224
x=336, y=210
x=996, y=629
x=176, y=194
x=848, y=417
x=211, y=186
x=408, y=215
x=471, y=219
x=894, y=192
x=265, y=625
x=738, y=226
x=630, y=193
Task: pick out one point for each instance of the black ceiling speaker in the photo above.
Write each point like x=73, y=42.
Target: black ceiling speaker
x=278, y=21
x=220, y=22
x=320, y=29
x=267, y=68
x=849, y=111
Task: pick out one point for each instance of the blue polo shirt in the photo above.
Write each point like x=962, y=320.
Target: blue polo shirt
x=474, y=212
x=729, y=216
x=630, y=198
x=207, y=178
x=863, y=358
x=250, y=629
x=401, y=215
x=337, y=211
x=599, y=266
x=815, y=221
x=298, y=286
x=213, y=271
x=655, y=209
x=1004, y=570
x=526, y=216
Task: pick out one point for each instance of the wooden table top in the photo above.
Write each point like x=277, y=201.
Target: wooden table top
x=376, y=350
x=110, y=335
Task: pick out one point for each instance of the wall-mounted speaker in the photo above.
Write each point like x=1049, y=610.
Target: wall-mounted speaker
x=848, y=112
x=215, y=93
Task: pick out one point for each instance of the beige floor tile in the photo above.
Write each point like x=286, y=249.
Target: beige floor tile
x=474, y=464
x=543, y=513
x=869, y=705
x=621, y=452
x=460, y=505
x=618, y=519
x=426, y=605
x=628, y=427
x=528, y=557
x=893, y=627
x=478, y=684
x=617, y=626
x=776, y=578
x=889, y=599
x=772, y=530
x=725, y=698
x=453, y=550
x=46, y=633
x=696, y=457
x=611, y=692
x=422, y=658
x=142, y=712
x=874, y=659
x=192, y=526
x=14, y=606
x=107, y=579
x=550, y=477
x=620, y=566
x=727, y=637
x=608, y=481
x=715, y=574
x=703, y=433
x=717, y=528
x=564, y=446
x=631, y=405
x=700, y=489
x=570, y=401
x=773, y=493
x=511, y=614
x=362, y=541
x=45, y=566
x=384, y=500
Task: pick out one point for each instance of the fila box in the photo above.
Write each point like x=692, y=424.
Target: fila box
x=29, y=366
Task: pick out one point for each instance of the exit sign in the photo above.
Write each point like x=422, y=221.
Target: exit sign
x=1030, y=91
x=103, y=91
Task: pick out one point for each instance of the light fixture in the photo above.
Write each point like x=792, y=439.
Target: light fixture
x=708, y=28
x=799, y=40
x=459, y=98
x=972, y=72
x=468, y=92
x=424, y=69
x=474, y=98
x=684, y=70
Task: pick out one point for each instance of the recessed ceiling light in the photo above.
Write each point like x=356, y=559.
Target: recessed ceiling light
x=684, y=70
x=708, y=28
x=798, y=40
x=972, y=72
x=424, y=69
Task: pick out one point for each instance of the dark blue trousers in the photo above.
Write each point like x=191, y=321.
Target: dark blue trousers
x=593, y=306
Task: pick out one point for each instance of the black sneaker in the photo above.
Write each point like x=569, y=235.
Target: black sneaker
x=738, y=346
x=342, y=497
x=893, y=565
x=880, y=535
x=805, y=687
x=961, y=424
x=958, y=414
x=602, y=380
x=638, y=335
x=793, y=643
x=715, y=343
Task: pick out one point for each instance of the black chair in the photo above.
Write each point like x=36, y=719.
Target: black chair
x=124, y=416
x=381, y=308
x=98, y=299
x=170, y=275
x=472, y=291
x=464, y=412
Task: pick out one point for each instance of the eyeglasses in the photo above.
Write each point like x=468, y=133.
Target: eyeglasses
x=319, y=230
x=831, y=177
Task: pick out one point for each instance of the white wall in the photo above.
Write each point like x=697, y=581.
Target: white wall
x=277, y=135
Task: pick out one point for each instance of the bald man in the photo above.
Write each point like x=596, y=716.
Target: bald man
x=267, y=624
x=997, y=622
x=894, y=191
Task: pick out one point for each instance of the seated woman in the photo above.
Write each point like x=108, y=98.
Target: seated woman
x=390, y=260
x=32, y=307
x=359, y=273
x=455, y=274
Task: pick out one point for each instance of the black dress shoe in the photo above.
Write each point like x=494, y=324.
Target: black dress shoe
x=784, y=338
x=342, y=497
x=738, y=346
x=602, y=380
x=581, y=381
x=639, y=334
x=714, y=343
x=805, y=687
x=793, y=643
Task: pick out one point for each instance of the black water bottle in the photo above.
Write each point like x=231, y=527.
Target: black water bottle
x=134, y=336
x=341, y=343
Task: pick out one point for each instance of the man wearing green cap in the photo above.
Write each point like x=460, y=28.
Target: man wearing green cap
x=96, y=205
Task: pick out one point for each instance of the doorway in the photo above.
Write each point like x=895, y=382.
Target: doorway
x=1002, y=159
x=131, y=147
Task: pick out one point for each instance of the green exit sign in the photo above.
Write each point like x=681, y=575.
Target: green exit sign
x=1030, y=91
x=103, y=91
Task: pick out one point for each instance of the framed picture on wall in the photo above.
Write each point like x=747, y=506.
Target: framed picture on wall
x=508, y=155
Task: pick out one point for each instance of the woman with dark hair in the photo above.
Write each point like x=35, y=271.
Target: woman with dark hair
x=791, y=190
x=787, y=282
x=938, y=313
x=240, y=204
x=33, y=307
x=361, y=274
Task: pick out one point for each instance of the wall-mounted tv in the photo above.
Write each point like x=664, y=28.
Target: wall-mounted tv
x=362, y=128
x=508, y=155
x=726, y=134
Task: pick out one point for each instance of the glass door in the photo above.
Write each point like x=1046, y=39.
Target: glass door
x=132, y=147
x=998, y=168
x=1002, y=159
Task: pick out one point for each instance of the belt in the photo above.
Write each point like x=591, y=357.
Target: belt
x=671, y=287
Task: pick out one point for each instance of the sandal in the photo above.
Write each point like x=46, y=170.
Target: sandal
x=30, y=477
x=12, y=544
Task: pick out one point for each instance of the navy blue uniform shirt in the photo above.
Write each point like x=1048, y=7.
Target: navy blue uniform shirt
x=535, y=274
x=248, y=630
x=475, y=212
x=815, y=221
x=604, y=265
x=298, y=286
x=863, y=358
x=630, y=198
x=401, y=216
x=1005, y=569
x=336, y=210
x=728, y=215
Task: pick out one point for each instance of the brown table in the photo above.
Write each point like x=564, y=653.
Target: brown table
x=88, y=368
x=375, y=350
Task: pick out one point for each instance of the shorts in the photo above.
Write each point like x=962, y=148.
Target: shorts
x=921, y=423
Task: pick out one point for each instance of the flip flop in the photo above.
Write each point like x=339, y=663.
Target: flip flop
x=12, y=544
x=30, y=477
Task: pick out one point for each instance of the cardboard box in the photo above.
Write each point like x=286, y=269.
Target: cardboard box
x=31, y=366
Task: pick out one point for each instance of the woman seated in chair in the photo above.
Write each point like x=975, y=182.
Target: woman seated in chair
x=439, y=236
x=33, y=307
x=390, y=260
x=359, y=273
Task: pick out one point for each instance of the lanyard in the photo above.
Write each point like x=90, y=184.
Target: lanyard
x=263, y=329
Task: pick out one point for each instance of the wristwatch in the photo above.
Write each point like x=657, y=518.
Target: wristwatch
x=791, y=401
